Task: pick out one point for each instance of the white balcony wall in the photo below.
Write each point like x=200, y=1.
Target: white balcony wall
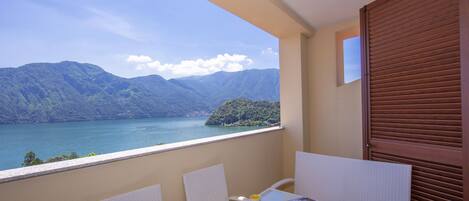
x=252, y=163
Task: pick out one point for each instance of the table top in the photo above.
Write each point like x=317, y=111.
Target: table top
x=276, y=195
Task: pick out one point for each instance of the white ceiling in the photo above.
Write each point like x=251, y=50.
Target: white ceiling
x=322, y=12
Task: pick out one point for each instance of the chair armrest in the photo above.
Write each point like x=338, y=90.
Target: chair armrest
x=278, y=184
x=282, y=182
x=237, y=198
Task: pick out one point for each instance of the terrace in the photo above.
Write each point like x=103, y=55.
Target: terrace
x=410, y=106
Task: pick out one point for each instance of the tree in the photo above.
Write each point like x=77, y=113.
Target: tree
x=63, y=157
x=30, y=159
x=73, y=155
x=90, y=154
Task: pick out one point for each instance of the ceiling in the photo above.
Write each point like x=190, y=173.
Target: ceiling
x=318, y=13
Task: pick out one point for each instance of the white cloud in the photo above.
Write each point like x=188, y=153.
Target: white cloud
x=139, y=59
x=222, y=62
x=269, y=51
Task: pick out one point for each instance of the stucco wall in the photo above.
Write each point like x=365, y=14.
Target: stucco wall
x=293, y=98
x=252, y=163
x=334, y=112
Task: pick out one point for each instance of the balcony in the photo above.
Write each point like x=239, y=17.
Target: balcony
x=317, y=115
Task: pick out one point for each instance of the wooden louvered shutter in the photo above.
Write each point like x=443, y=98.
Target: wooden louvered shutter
x=414, y=79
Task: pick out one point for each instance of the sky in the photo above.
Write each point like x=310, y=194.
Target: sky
x=171, y=38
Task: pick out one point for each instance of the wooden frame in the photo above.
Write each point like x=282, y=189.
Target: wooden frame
x=340, y=37
x=365, y=87
x=464, y=55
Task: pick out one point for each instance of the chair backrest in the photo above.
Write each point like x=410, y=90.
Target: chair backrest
x=208, y=184
x=150, y=193
x=328, y=178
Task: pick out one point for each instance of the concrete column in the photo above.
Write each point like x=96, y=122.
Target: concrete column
x=293, y=98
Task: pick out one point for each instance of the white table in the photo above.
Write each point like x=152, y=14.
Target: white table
x=276, y=195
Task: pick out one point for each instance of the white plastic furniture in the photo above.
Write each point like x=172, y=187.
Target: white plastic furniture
x=208, y=184
x=328, y=178
x=150, y=193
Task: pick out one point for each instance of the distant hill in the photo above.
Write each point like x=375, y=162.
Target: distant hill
x=71, y=91
x=222, y=86
x=243, y=112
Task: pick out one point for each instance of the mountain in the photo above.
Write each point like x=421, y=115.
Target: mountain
x=71, y=91
x=222, y=86
x=243, y=112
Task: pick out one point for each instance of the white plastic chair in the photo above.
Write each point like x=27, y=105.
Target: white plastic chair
x=150, y=193
x=328, y=178
x=208, y=184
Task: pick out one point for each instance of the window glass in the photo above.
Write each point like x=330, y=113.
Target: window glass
x=352, y=60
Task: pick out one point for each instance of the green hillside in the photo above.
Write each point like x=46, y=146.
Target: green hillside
x=243, y=112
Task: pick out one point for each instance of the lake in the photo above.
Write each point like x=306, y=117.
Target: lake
x=51, y=139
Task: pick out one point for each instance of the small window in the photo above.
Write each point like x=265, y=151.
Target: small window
x=348, y=56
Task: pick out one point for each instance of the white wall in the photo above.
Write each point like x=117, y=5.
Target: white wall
x=335, y=112
x=293, y=98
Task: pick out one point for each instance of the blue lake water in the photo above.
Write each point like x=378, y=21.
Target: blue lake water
x=51, y=139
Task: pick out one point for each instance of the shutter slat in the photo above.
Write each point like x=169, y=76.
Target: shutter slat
x=432, y=100
x=456, y=128
x=456, y=188
x=450, y=70
x=418, y=111
x=418, y=96
x=418, y=121
x=417, y=131
x=417, y=86
x=417, y=58
x=450, y=88
x=417, y=66
x=437, y=194
x=417, y=106
x=417, y=140
x=419, y=196
x=456, y=117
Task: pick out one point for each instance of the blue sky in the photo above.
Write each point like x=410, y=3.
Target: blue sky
x=172, y=38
